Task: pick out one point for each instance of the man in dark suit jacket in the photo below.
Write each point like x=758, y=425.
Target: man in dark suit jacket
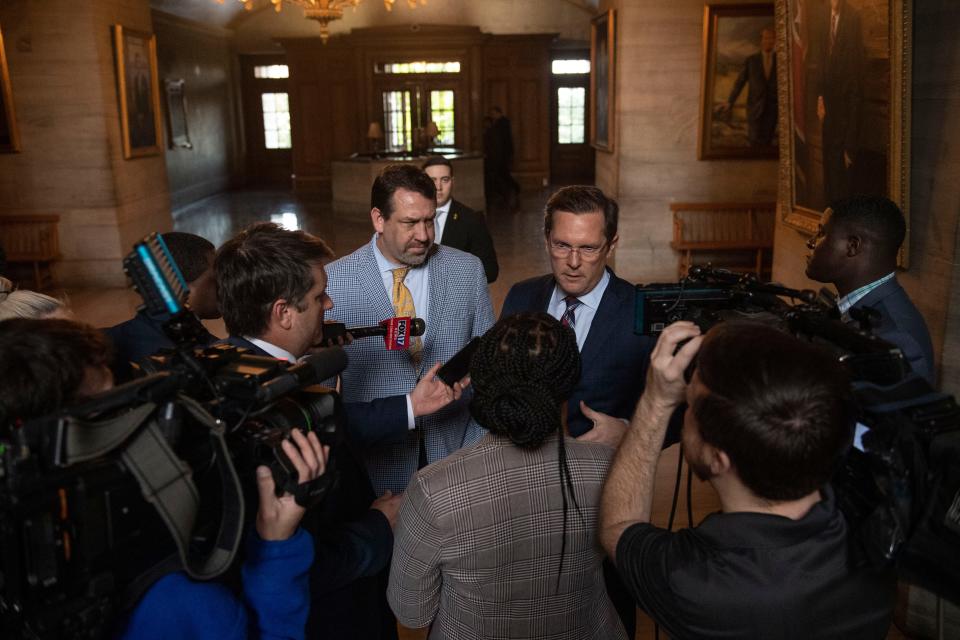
x=580, y=225
x=272, y=287
x=759, y=73
x=143, y=335
x=457, y=225
x=840, y=96
x=856, y=251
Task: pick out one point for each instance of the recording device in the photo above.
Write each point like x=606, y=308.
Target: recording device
x=900, y=487
x=458, y=366
x=396, y=332
x=99, y=500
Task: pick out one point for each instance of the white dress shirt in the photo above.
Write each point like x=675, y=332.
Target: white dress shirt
x=583, y=314
x=441, y=220
x=273, y=350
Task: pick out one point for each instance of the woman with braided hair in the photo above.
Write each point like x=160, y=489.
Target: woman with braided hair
x=498, y=540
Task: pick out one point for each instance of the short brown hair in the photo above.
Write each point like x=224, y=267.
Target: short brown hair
x=583, y=199
x=261, y=265
x=399, y=176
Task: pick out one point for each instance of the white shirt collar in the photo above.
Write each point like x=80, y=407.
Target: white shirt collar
x=591, y=298
x=846, y=302
x=445, y=208
x=272, y=349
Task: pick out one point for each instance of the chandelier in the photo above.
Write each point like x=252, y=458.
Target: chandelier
x=324, y=11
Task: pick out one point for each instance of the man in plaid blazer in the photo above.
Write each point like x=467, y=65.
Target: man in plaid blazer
x=447, y=288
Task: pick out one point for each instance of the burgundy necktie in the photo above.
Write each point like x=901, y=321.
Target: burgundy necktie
x=569, y=318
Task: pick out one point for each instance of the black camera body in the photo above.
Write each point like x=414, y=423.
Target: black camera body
x=99, y=500
x=899, y=485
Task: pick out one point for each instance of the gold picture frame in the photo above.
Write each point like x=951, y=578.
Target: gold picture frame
x=874, y=89
x=9, y=133
x=138, y=89
x=739, y=63
x=603, y=65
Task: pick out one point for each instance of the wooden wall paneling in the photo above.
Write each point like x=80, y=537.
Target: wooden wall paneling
x=517, y=78
x=324, y=118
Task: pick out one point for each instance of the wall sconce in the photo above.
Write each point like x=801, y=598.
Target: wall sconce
x=374, y=135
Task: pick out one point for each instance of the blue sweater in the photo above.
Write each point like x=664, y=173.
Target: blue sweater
x=276, y=598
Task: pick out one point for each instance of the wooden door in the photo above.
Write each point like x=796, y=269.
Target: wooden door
x=571, y=156
x=266, y=117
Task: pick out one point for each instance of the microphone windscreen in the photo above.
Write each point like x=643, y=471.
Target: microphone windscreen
x=418, y=327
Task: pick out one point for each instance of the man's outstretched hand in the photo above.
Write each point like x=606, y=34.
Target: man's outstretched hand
x=432, y=394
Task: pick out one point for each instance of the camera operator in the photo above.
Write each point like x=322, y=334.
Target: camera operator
x=769, y=419
x=856, y=251
x=49, y=364
x=143, y=335
x=272, y=288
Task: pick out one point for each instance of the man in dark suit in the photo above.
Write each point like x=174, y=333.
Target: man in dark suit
x=457, y=225
x=759, y=73
x=272, y=287
x=839, y=97
x=856, y=251
x=143, y=335
x=580, y=227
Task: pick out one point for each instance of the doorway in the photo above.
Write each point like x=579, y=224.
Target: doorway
x=571, y=156
x=266, y=117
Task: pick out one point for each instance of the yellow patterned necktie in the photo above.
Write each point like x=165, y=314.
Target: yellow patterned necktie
x=403, y=306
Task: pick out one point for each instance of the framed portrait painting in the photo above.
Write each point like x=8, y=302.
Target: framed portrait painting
x=844, y=105
x=138, y=90
x=9, y=135
x=602, y=68
x=738, y=111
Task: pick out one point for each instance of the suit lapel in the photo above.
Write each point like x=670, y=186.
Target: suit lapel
x=542, y=295
x=604, y=323
x=453, y=227
x=438, y=293
x=371, y=283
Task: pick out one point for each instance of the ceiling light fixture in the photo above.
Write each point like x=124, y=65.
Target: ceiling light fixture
x=325, y=11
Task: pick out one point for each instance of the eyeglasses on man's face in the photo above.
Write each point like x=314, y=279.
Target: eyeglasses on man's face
x=586, y=252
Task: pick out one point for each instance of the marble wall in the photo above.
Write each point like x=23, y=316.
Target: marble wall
x=61, y=62
x=655, y=161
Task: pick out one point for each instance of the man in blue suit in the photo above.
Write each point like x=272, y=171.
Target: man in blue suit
x=856, y=251
x=402, y=272
x=580, y=226
x=273, y=293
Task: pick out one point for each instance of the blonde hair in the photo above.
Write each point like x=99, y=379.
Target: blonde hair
x=22, y=303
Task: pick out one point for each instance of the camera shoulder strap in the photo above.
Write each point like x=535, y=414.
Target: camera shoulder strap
x=165, y=481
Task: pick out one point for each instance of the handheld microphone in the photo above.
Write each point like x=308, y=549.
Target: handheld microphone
x=396, y=332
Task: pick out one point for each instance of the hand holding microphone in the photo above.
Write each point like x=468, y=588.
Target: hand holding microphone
x=397, y=332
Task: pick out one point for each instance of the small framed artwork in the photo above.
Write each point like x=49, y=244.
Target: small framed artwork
x=177, y=130
x=738, y=111
x=138, y=90
x=603, y=32
x=845, y=114
x=9, y=135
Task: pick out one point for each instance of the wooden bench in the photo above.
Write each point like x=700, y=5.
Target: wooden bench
x=32, y=239
x=734, y=236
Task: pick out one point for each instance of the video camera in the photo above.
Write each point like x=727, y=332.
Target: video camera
x=99, y=500
x=899, y=485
